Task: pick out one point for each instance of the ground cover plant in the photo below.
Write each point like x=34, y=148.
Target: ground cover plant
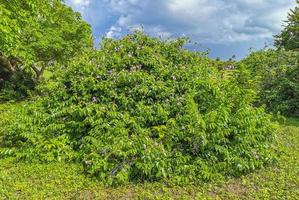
x=141, y=109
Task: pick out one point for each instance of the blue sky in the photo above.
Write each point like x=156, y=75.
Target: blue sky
x=226, y=27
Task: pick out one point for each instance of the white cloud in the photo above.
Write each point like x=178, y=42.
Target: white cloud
x=213, y=21
x=206, y=21
x=81, y=2
x=190, y=10
x=114, y=32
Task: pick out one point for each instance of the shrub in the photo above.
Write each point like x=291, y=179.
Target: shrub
x=142, y=109
x=277, y=75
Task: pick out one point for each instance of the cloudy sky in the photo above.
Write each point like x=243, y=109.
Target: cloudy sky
x=226, y=27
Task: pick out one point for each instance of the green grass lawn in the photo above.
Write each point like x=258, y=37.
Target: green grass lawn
x=66, y=181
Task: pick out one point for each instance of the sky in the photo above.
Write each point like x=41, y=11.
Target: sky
x=224, y=27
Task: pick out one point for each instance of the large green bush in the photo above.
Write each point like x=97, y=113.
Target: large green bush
x=141, y=109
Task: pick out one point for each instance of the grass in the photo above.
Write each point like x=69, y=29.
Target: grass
x=66, y=181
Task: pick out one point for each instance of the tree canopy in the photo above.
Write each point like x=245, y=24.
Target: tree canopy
x=289, y=36
x=35, y=34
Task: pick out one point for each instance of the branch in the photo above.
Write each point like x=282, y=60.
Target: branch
x=38, y=72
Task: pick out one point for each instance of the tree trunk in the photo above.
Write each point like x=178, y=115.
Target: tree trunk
x=7, y=65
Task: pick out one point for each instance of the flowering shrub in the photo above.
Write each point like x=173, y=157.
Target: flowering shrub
x=142, y=109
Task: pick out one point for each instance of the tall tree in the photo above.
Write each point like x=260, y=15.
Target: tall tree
x=35, y=34
x=289, y=36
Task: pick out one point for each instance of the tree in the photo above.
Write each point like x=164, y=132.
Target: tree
x=35, y=34
x=289, y=36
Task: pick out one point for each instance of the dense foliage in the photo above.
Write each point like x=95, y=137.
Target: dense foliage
x=276, y=71
x=277, y=79
x=141, y=109
x=65, y=181
x=289, y=36
x=34, y=35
